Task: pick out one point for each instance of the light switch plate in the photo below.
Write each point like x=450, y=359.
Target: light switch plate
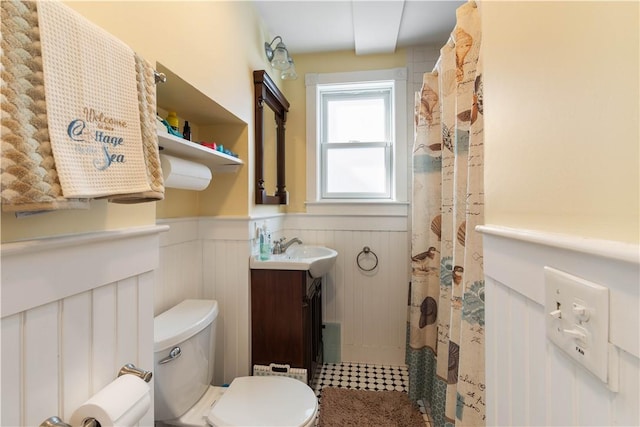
x=577, y=319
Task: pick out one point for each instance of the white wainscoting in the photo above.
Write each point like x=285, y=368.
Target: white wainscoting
x=226, y=251
x=179, y=275
x=74, y=310
x=209, y=258
x=371, y=307
x=529, y=380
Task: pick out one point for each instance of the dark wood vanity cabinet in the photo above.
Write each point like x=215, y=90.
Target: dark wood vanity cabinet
x=286, y=319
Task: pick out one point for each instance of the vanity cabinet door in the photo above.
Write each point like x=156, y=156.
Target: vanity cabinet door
x=315, y=324
x=286, y=319
x=307, y=344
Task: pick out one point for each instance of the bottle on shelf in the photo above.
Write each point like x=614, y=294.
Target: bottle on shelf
x=186, y=131
x=172, y=119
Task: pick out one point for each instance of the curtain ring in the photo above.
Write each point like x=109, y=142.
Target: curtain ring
x=365, y=251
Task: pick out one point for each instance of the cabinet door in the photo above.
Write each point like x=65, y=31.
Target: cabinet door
x=277, y=323
x=316, y=325
x=307, y=339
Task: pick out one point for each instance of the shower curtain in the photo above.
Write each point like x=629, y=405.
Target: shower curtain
x=445, y=343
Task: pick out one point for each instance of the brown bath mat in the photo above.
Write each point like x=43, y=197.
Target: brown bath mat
x=343, y=407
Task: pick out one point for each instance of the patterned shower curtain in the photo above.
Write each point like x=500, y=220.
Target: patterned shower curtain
x=445, y=345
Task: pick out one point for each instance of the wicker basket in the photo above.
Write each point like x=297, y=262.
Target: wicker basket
x=281, y=370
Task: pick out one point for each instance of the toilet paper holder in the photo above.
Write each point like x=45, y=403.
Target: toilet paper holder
x=54, y=422
x=127, y=369
x=131, y=369
x=57, y=422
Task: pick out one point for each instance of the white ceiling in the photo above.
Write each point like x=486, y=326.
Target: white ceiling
x=363, y=26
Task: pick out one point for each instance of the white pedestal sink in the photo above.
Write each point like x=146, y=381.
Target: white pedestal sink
x=315, y=259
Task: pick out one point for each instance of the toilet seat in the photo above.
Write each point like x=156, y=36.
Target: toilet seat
x=265, y=401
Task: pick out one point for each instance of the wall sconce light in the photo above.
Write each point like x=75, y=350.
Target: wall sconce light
x=280, y=59
x=289, y=73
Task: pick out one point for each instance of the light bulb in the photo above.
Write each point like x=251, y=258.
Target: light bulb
x=289, y=73
x=280, y=59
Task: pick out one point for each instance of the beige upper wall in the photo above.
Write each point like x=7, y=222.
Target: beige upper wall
x=561, y=91
x=213, y=45
x=561, y=117
x=295, y=91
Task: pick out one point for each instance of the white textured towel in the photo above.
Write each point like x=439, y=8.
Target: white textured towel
x=92, y=106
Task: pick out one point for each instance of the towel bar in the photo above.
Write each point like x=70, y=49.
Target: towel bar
x=159, y=77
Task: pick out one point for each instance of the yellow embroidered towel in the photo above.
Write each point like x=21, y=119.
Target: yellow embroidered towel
x=92, y=106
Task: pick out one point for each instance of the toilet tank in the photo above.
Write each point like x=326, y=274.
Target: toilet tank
x=186, y=331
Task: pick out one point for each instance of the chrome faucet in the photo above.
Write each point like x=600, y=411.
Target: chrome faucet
x=279, y=247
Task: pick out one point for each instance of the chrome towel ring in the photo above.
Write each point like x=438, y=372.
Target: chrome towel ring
x=366, y=251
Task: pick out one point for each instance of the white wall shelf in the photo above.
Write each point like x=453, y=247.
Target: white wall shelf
x=179, y=95
x=215, y=160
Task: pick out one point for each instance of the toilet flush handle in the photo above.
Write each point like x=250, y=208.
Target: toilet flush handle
x=173, y=355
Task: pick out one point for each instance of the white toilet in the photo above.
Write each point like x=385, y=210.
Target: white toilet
x=184, y=338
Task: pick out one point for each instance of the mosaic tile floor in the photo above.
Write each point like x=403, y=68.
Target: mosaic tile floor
x=362, y=377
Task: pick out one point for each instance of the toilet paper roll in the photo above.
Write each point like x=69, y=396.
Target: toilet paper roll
x=184, y=174
x=121, y=403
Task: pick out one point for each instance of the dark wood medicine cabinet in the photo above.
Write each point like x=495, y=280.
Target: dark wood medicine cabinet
x=269, y=140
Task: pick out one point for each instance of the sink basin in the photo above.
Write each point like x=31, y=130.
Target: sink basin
x=307, y=251
x=318, y=260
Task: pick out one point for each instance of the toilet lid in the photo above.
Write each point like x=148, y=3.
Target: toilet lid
x=264, y=401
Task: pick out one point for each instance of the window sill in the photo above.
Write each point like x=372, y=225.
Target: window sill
x=370, y=207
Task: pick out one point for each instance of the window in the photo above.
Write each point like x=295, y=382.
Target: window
x=356, y=140
x=356, y=137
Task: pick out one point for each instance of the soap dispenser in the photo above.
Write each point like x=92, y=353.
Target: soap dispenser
x=265, y=244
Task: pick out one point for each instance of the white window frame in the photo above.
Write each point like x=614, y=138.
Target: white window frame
x=332, y=92
x=397, y=202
